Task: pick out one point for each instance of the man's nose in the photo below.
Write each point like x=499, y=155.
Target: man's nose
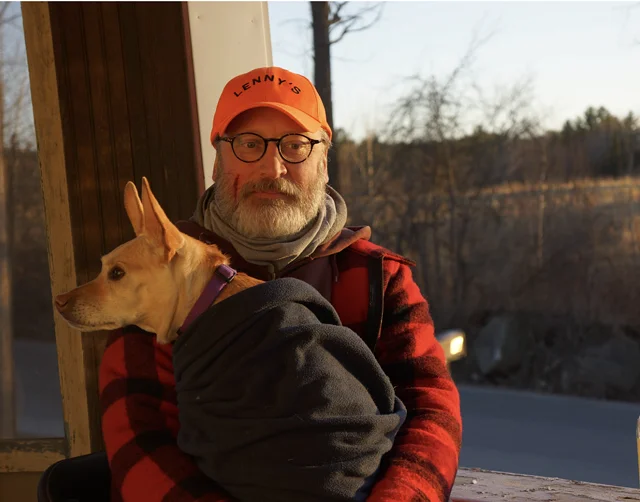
x=272, y=165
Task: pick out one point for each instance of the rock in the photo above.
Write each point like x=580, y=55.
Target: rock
x=502, y=344
x=611, y=366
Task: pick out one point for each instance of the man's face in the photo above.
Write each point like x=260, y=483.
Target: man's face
x=270, y=198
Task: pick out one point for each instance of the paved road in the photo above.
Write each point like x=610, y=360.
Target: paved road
x=504, y=430
x=572, y=438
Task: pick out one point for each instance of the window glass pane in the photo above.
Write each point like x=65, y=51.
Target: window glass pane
x=31, y=405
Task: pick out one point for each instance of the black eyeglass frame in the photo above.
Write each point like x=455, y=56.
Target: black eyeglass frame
x=277, y=141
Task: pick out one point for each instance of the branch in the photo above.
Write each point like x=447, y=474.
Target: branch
x=296, y=20
x=349, y=24
x=467, y=59
x=433, y=109
x=4, y=19
x=334, y=17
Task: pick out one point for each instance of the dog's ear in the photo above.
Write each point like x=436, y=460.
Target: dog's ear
x=133, y=206
x=156, y=224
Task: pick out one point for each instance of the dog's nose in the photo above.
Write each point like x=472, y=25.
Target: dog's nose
x=61, y=302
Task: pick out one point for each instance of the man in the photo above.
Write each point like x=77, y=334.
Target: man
x=271, y=210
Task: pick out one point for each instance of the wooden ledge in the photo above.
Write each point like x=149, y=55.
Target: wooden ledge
x=30, y=455
x=478, y=485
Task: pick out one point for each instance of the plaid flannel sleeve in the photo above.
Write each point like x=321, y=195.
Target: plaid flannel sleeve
x=424, y=460
x=140, y=425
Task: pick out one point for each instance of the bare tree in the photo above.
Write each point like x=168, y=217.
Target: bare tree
x=450, y=139
x=331, y=22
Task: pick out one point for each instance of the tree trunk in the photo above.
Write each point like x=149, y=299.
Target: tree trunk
x=322, y=75
x=542, y=204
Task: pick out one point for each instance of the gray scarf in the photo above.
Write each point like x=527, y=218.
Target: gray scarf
x=276, y=254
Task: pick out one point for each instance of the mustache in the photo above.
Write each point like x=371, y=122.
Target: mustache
x=271, y=185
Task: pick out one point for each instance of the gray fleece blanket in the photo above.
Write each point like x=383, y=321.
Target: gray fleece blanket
x=280, y=402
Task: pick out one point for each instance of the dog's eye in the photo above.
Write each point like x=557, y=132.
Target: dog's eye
x=115, y=274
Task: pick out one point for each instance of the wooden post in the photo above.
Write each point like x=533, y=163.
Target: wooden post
x=49, y=133
x=112, y=96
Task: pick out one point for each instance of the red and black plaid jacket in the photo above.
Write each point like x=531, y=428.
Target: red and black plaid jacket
x=373, y=291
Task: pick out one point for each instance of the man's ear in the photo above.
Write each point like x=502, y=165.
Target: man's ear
x=133, y=207
x=157, y=226
x=216, y=166
x=325, y=166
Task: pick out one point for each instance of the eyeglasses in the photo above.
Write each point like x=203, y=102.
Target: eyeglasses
x=250, y=147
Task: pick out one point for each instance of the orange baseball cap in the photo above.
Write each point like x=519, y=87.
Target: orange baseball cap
x=271, y=87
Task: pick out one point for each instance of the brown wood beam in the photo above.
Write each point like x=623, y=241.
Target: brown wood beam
x=112, y=96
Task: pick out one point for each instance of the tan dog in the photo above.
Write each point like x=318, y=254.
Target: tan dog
x=151, y=281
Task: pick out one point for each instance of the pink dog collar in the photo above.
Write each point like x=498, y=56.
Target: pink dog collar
x=222, y=276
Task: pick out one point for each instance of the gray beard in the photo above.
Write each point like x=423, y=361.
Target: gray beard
x=275, y=253
x=257, y=218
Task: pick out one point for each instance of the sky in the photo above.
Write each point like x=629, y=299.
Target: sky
x=577, y=54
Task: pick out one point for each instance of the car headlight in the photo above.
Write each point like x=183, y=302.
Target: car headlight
x=453, y=342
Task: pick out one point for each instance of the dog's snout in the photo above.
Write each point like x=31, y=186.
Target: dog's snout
x=61, y=302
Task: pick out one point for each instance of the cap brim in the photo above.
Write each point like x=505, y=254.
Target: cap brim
x=305, y=121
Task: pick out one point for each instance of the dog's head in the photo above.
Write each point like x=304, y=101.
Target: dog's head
x=140, y=280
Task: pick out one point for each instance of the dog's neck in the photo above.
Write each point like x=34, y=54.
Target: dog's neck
x=195, y=268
